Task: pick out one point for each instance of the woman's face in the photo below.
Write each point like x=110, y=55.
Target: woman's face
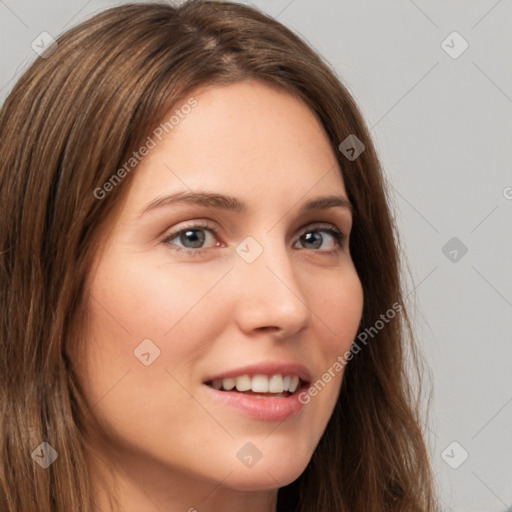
x=241, y=276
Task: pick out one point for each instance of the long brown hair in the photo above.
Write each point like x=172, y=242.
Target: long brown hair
x=73, y=119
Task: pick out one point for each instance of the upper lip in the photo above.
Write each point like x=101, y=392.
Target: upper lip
x=266, y=368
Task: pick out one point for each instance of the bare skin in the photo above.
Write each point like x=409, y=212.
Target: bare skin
x=172, y=275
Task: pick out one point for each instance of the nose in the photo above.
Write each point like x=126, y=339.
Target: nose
x=270, y=296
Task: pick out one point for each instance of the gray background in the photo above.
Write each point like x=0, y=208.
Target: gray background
x=442, y=127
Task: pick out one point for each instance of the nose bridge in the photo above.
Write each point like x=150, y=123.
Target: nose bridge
x=271, y=294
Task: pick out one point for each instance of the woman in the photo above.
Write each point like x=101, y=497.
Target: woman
x=201, y=304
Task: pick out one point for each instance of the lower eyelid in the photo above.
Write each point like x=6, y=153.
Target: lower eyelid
x=339, y=237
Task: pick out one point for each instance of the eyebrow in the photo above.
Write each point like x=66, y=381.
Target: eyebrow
x=230, y=203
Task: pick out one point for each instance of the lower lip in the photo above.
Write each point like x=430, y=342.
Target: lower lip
x=260, y=408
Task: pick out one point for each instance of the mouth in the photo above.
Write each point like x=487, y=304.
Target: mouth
x=266, y=392
x=263, y=386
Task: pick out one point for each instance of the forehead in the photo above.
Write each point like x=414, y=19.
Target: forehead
x=241, y=139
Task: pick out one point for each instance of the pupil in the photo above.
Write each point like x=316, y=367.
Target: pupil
x=192, y=238
x=313, y=238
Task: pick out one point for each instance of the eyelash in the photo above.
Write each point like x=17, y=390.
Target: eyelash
x=339, y=237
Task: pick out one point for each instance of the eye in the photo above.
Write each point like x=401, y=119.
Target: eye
x=193, y=238
x=322, y=238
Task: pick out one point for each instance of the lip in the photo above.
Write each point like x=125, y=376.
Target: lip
x=260, y=408
x=267, y=368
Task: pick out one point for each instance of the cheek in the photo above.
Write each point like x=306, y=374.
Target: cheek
x=151, y=300
x=341, y=308
x=132, y=301
x=336, y=303
x=338, y=307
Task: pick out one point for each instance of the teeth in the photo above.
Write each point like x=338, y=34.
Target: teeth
x=228, y=384
x=275, y=384
x=243, y=383
x=259, y=383
x=293, y=384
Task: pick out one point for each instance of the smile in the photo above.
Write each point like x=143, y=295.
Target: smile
x=258, y=385
x=267, y=391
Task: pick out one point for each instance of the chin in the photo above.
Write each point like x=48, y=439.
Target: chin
x=259, y=481
x=265, y=475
